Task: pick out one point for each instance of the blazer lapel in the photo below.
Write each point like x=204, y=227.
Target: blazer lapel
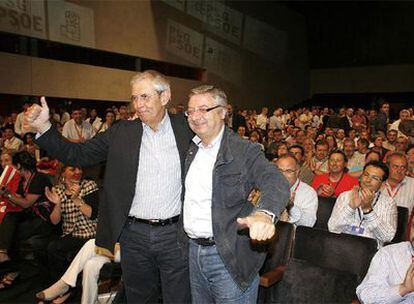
x=134, y=144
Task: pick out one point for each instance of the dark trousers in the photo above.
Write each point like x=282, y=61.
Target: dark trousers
x=149, y=253
x=60, y=253
x=18, y=226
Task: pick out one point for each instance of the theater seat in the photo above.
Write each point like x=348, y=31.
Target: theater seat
x=325, y=207
x=325, y=268
x=402, y=225
x=276, y=260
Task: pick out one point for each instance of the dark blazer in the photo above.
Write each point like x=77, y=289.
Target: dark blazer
x=119, y=146
x=240, y=167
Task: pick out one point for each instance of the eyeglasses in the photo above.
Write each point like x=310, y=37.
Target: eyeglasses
x=143, y=97
x=203, y=110
x=374, y=177
x=288, y=171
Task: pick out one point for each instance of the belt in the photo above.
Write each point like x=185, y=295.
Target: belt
x=156, y=222
x=205, y=241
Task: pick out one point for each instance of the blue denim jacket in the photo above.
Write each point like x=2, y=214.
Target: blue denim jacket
x=240, y=167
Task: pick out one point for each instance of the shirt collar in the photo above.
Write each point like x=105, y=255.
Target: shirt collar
x=294, y=185
x=162, y=126
x=216, y=141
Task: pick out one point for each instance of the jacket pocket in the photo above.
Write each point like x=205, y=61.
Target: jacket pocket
x=232, y=189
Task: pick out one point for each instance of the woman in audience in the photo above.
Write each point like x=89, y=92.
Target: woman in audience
x=30, y=146
x=9, y=182
x=109, y=121
x=31, y=198
x=330, y=139
x=75, y=207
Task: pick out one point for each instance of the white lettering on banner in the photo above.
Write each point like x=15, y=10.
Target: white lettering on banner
x=184, y=42
x=222, y=61
x=71, y=23
x=178, y=4
x=219, y=19
x=264, y=40
x=23, y=17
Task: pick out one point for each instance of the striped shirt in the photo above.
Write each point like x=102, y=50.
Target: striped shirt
x=403, y=194
x=385, y=274
x=379, y=224
x=158, y=185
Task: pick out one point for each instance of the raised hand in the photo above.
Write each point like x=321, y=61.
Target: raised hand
x=52, y=195
x=37, y=117
x=355, y=201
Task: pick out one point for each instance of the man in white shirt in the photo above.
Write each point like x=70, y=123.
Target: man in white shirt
x=390, y=277
x=11, y=143
x=303, y=202
x=221, y=171
x=262, y=120
x=76, y=129
x=399, y=186
x=365, y=210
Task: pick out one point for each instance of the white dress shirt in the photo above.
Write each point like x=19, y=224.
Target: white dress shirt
x=379, y=224
x=72, y=131
x=403, y=194
x=14, y=144
x=385, y=274
x=305, y=205
x=158, y=185
x=199, y=189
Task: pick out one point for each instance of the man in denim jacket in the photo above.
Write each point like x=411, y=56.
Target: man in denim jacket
x=221, y=170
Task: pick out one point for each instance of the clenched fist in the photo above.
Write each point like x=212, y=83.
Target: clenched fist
x=37, y=117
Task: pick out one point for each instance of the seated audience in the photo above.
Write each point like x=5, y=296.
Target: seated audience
x=391, y=139
x=335, y=182
x=75, y=206
x=31, y=198
x=399, y=186
x=390, y=276
x=365, y=210
x=371, y=156
x=303, y=203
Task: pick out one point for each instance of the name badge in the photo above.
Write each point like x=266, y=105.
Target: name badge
x=355, y=230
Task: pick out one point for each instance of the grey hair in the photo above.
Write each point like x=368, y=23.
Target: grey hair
x=396, y=154
x=218, y=95
x=160, y=82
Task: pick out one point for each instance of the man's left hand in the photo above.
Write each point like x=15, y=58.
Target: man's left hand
x=260, y=224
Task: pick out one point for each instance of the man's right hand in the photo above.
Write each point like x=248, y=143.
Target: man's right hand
x=37, y=117
x=408, y=285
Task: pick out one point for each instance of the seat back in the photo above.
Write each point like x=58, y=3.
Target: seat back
x=342, y=252
x=325, y=206
x=281, y=248
x=402, y=225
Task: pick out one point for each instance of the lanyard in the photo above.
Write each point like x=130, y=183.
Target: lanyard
x=390, y=191
x=296, y=188
x=361, y=215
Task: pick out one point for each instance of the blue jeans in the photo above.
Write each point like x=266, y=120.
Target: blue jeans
x=211, y=282
x=149, y=253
